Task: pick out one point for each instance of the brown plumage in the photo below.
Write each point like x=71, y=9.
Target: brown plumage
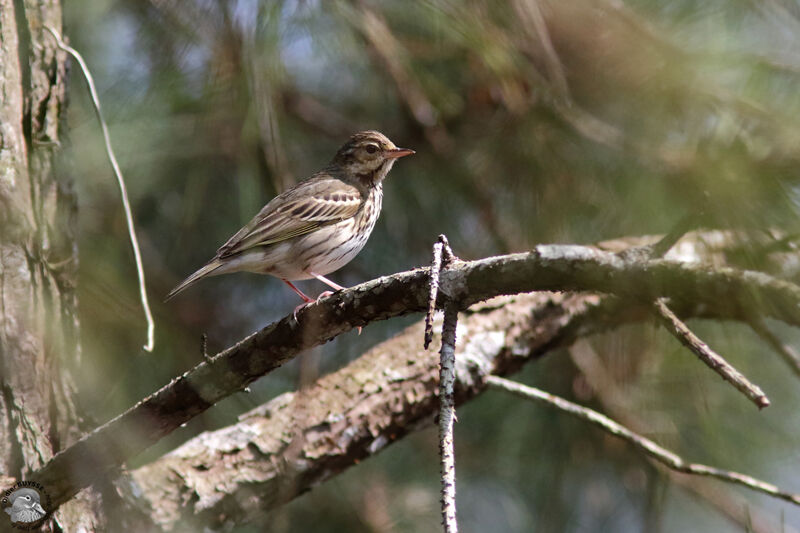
x=317, y=226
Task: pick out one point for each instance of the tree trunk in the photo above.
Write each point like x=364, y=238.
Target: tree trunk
x=38, y=257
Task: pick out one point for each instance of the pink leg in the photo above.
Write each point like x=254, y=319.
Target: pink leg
x=327, y=282
x=305, y=298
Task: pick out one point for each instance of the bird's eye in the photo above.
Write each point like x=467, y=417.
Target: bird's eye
x=371, y=148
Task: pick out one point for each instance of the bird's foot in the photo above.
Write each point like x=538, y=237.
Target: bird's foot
x=324, y=295
x=307, y=300
x=296, y=309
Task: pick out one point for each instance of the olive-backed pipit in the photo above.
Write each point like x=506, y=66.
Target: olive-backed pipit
x=318, y=225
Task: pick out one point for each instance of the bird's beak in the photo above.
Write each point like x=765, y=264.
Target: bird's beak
x=39, y=508
x=398, y=152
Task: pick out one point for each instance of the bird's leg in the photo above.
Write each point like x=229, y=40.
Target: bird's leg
x=306, y=299
x=331, y=284
x=327, y=282
x=300, y=293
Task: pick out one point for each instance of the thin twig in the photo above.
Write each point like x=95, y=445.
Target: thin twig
x=122, y=189
x=659, y=249
x=618, y=405
x=442, y=257
x=447, y=253
x=712, y=359
x=447, y=415
x=436, y=266
x=662, y=455
x=788, y=353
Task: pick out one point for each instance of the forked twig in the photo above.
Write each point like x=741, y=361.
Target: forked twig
x=120, y=181
x=443, y=256
x=662, y=455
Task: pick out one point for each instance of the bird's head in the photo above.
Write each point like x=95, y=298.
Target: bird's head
x=368, y=156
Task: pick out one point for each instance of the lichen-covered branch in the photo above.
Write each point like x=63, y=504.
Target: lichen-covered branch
x=722, y=292
x=235, y=474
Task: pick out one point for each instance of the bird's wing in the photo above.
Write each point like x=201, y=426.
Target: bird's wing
x=313, y=203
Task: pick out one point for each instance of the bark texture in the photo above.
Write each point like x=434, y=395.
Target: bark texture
x=299, y=440
x=38, y=256
x=722, y=292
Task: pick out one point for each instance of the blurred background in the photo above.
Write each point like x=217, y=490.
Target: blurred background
x=569, y=121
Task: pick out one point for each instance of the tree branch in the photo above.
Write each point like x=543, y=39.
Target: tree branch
x=712, y=359
x=722, y=292
x=743, y=514
x=645, y=445
x=447, y=417
x=233, y=475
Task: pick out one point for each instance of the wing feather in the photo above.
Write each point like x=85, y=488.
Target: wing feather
x=314, y=203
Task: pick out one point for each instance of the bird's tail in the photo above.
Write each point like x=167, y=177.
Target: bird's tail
x=205, y=270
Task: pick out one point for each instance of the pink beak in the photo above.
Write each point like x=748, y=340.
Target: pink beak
x=398, y=152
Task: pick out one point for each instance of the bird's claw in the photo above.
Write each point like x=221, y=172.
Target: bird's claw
x=309, y=301
x=324, y=295
x=296, y=309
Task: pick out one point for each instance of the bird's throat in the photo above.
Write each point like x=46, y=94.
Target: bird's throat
x=375, y=177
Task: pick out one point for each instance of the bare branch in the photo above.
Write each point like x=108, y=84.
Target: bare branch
x=436, y=266
x=447, y=416
x=659, y=249
x=239, y=472
x=442, y=257
x=665, y=243
x=723, y=292
x=645, y=445
x=745, y=514
x=712, y=359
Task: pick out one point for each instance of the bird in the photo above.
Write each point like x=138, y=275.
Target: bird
x=315, y=227
x=25, y=506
